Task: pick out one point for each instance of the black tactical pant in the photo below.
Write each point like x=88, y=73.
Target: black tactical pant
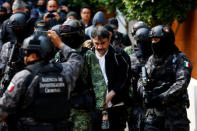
x=117, y=119
x=182, y=127
x=136, y=119
x=160, y=123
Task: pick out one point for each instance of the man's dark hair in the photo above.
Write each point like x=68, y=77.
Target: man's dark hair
x=85, y=6
x=100, y=32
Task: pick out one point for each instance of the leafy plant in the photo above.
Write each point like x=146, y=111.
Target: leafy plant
x=152, y=12
x=158, y=12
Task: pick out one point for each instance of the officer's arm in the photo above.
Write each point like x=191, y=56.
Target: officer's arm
x=4, y=56
x=9, y=102
x=97, y=78
x=183, y=76
x=2, y=34
x=74, y=64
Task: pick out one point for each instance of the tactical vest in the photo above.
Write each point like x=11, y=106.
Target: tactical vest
x=50, y=100
x=166, y=73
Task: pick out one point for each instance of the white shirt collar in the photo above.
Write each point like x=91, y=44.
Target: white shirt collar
x=100, y=57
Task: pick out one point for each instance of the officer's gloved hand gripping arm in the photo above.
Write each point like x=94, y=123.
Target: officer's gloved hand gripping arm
x=74, y=64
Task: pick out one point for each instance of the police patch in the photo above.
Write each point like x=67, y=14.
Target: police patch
x=10, y=87
x=186, y=64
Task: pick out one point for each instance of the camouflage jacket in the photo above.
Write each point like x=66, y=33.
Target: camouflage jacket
x=17, y=96
x=128, y=50
x=91, y=76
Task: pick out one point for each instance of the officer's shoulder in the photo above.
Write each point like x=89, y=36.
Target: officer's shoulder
x=21, y=76
x=90, y=53
x=182, y=56
x=6, y=45
x=182, y=59
x=150, y=60
x=5, y=23
x=90, y=56
x=119, y=50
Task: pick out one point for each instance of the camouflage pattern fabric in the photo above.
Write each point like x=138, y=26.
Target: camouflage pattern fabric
x=98, y=81
x=128, y=50
x=81, y=120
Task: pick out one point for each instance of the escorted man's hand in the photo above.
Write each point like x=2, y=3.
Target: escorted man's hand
x=109, y=96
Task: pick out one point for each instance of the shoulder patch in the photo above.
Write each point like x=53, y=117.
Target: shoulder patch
x=186, y=64
x=10, y=87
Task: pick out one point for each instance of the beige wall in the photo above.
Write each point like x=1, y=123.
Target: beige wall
x=186, y=38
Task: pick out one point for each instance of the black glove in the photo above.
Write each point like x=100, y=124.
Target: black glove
x=155, y=101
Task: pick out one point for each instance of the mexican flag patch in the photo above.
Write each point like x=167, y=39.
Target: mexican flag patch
x=10, y=87
x=186, y=64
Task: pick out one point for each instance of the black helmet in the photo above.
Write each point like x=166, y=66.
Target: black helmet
x=56, y=28
x=18, y=19
x=163, y=32
x=72, y=33
x=39, y=44
x=142, y=34
x=138, y=25
x=72, y=27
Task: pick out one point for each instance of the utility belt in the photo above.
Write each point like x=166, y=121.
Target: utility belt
x=31, y=125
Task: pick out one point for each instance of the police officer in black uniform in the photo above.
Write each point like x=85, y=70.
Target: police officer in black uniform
x=39, y=94
x=164, y=88
x=133, y=47
x=15, y=28
x=11, y=61
x=138, y=59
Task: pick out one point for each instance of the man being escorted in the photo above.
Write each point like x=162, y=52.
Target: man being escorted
x=164, y=88
x=115, y=66
x=38, y=95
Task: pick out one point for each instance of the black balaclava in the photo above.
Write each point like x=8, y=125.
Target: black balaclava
x=163, y=47
x=144, y=49
x=74, y=41
x=20, y=36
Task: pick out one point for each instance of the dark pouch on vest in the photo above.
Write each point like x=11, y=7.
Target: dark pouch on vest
x=83, y=101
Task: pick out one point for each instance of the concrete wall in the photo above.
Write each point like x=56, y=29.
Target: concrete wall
x=191, y=112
